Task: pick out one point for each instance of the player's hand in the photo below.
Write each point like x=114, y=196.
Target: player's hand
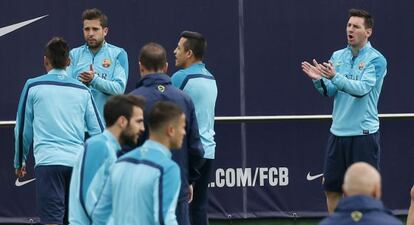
x=20, y=172
x=328, y=70
x=190, y=193
x=87, y=76
x=312, y=71
x=412, y=194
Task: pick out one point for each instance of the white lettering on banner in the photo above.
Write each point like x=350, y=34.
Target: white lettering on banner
x=247, y=177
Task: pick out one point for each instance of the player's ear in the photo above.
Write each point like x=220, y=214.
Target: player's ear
x=46, y=61
x=189, y=53
x=105, y=31
x=122, y=122
x=368, y=32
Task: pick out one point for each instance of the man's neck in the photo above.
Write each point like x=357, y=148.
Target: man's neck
x=95, y=50
x=192, y=62
x=146, y=72
x=356, y=49
x=160, y=139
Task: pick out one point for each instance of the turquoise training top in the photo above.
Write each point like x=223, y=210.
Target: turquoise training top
x=110, y=64
x=53, y=113
x=143, y=188
x=356, y=88
x=201, y=86
x=90, y=175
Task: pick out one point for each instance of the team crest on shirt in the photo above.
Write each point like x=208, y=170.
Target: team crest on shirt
x=161, y=88
x=106, y=63
x=356, y=216
x=361, y=65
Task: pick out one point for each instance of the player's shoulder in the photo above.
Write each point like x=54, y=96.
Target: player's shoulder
x=377, y=55
x=35, y=79
x=340, y=52
x=98, y=144
x=115, y=49
x=98, y=139
x=171, y=166
x=70, y=81
x=134, y=154
x=179, y=75
x=78, y=49
x=178, y=93
x=43, y=79
x=180, y=72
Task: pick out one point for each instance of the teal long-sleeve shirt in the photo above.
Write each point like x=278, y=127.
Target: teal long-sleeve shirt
x=356, y=88
x=200, y=85
x=110, y=64
x=89, y=177
x=53, y=112
x=143, y=188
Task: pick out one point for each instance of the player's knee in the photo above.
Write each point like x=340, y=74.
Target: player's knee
x=333, y=195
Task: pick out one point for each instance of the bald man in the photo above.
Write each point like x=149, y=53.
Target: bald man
x=362, y=204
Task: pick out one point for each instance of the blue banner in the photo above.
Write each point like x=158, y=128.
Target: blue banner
x=263, y=169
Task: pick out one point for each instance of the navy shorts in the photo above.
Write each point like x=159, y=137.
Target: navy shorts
x=342, y=152
x=182, y=212
x=52, y=193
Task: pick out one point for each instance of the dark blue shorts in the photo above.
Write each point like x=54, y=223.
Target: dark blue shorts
x=52, y=193
x=341, y=152
x=182, y=212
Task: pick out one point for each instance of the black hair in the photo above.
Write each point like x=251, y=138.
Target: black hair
x=153, y=56
x=368, y=20
x=121, y=105
x=161, y=113
x=95, y=14
x=194, y=42
x=57, y=51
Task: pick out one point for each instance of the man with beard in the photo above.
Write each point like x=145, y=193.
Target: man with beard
x=124, y=120
x=144, y=184
x=353, y=77
x=99, y=65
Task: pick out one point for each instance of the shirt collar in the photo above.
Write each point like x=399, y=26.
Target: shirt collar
x=58, y=72
x=363, y=49
x=157, y=146
x=359, y=202
x=196, y=64
x=112, y=139
x=104, y=45
x=155, y=78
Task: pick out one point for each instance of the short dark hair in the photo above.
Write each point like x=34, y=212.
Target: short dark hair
x=161, y=113
x=369, y=21
x=121, y=105
x=57, y=51
x=153, y=56
x=195, y=42
x=95, y=14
